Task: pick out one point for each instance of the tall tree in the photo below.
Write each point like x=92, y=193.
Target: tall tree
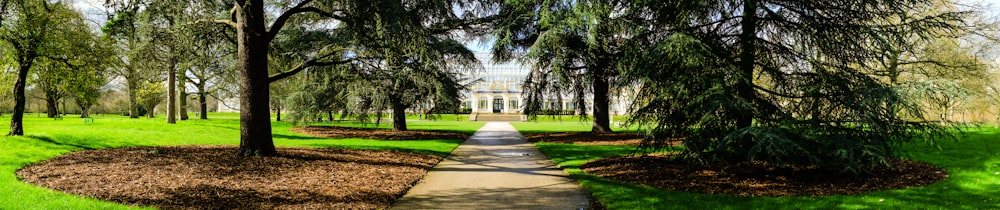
x=254, y=38
x=573, y=46
x=124, y=30
x=788, y=82
x=31, y=30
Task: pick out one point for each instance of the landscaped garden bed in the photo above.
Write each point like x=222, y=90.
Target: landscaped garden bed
x=212, y=177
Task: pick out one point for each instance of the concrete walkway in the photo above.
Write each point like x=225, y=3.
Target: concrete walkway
x=495, y=169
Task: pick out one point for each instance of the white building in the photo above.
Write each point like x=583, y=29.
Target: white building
x=498, y=90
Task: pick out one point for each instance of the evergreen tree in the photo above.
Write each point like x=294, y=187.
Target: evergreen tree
x=787, y=82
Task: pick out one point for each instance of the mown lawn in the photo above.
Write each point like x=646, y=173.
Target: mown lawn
x=972, y=163
x=46, y=138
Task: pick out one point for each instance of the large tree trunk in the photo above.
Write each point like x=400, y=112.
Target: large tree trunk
x=602, y=123
x=744, y=85
x=16, y=120
x=252, y=47
x=398, y=113
x=171, y=86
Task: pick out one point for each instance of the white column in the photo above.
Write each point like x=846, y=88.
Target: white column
x=475, y=103
x=489, y=104
x=506, y=108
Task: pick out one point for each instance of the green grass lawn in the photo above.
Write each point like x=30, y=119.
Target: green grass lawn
x=565, y=124
x=46, y=138
x=972, y=163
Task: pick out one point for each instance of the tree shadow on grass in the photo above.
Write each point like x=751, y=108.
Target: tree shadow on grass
x=386, y=148
x=297, y=137
x=75, y=145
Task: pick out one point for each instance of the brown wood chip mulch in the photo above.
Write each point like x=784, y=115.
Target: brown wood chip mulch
x=759, y=179
x=383, y=134
x=212, y=177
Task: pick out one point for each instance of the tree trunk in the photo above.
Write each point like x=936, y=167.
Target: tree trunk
x=84, y=108
x=202, y=103
x=602, y=123
x=51, y=105
x=182, y=102
x=150, y=111
x=252, y=47
x=133, y=104
x=329, y=115
x=744, y=85
x=171, y=87
x=278, y=115
x=16, y=120
x=398, y=113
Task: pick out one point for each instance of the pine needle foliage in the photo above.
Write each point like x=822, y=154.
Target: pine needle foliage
x=787, y=82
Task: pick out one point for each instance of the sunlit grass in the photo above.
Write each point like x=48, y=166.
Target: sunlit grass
x=972, y=163
x=46, y=138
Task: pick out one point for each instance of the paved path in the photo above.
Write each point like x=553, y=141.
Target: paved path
x=495, y=169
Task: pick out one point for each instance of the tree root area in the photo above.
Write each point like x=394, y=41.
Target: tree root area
x=212, y=177
x=759, y=179
x=587, y=138
x=382, y=134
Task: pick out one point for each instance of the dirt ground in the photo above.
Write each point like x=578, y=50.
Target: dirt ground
x=383, y=134
x=212, y=177
x=758, y=179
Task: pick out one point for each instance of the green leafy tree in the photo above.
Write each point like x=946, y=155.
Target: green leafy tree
x=125, y=31
x=151, y=95
x=255, y=36
x=787, y=82
x=575, y=48
x=31, y=30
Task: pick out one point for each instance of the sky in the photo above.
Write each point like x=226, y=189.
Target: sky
x=94, y=10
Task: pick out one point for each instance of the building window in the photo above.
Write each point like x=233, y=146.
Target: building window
x=513, y=103
x=482, y=103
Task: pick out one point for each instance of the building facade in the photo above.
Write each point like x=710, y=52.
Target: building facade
x=498, y=90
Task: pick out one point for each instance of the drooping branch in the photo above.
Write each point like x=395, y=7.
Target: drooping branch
x=303, y=66
x=297, y=9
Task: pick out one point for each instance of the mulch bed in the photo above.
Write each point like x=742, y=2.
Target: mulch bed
x=756, y=179
x=382, y=134
x=759, y=179
x=213, y=177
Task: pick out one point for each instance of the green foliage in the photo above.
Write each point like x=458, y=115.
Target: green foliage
x=574, y=48
x=150, y=95
x=972, y=164
x=783, y=83
x=390, y=62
